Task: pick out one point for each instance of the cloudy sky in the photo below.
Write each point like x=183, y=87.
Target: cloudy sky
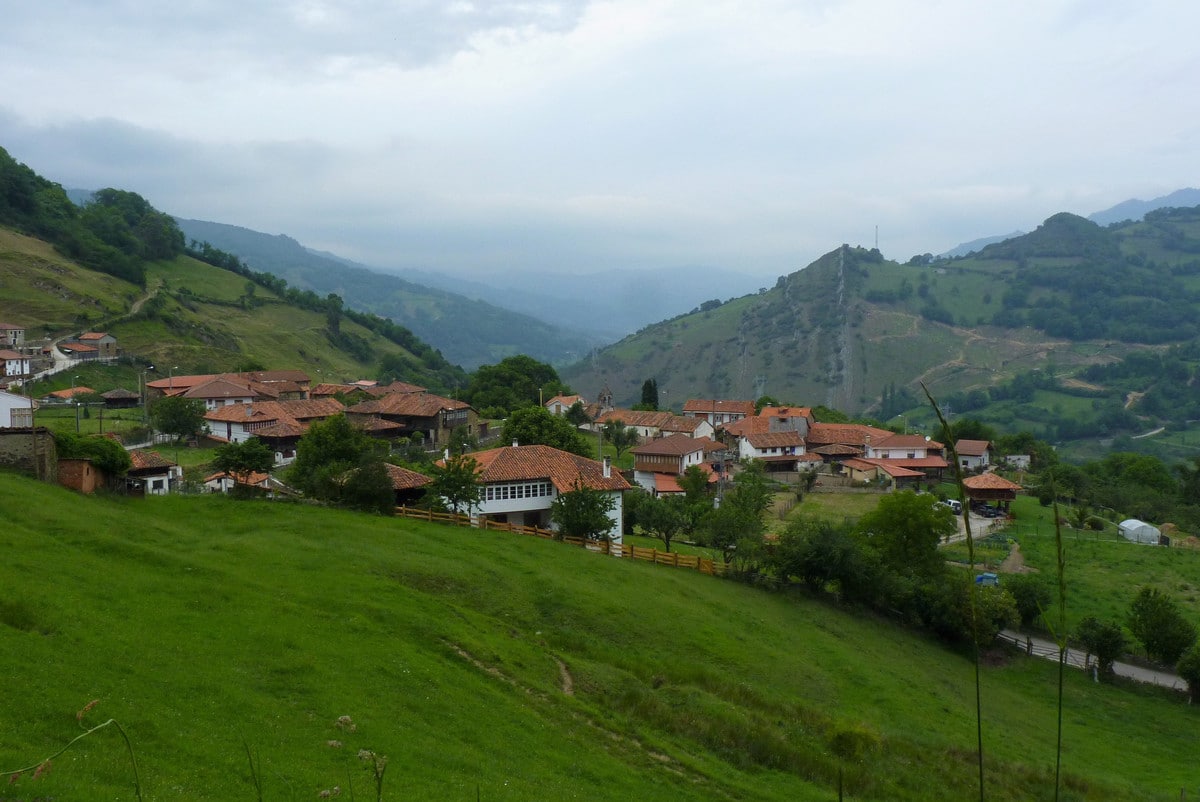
x=586, y=135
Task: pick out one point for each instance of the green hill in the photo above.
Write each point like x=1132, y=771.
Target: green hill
x=469, y=332
x=852, y=326
x=490, y=666
x=120, y=266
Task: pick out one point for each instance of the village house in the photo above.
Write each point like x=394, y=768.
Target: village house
x=11, y=335
x=80, y=352
x=220, y=392
x=881, y=472
x=260, y=385
x=247, y=482
x=520, y=483
x=104, y=343
x=409, y=486
x=718, y=412
x=974, y=455
x=780, y=451
x=559, y=404
x=15, y=365
x=16, y=411
x=783, y=419
x=913, y=451
x=431, y=417
x=150, y=474
x=279, y=424
x=659, y=462
x=650, y=424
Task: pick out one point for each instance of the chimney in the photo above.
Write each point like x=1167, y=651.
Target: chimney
x=608, y=467
x=515, y=445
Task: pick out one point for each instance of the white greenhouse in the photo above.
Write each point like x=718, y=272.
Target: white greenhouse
x=1138, y=531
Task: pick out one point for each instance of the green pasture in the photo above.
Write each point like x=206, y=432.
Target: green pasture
x=228, y=638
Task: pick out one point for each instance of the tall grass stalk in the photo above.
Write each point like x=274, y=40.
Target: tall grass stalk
x=43, y=766
x=1059, y=632
x=973, y=589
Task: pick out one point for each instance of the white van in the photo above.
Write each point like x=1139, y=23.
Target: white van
x=954, y=504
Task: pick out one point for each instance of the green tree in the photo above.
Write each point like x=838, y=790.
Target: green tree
x=338, y=462
x=537, y=426
x=176, y=415
x=649, y=395
x=583, y=512
x=456, y=484
x=576, y=415
x=1032, y=595
x=620, y=436
x=905, y=529
x=736, y=527
x=1157, y=623
x=665, y=517
x=106, y=454
x=250, y=455
x=694, y=484
x=515, y=382
x=765, y=401
x=1103, y=639
x=1188, y=667
x=815, y=551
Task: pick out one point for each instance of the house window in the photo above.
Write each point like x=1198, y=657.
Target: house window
x=912, y=455
x=156, y=484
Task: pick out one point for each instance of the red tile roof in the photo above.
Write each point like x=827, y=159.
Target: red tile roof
x=675, y=445
x=748, y=426
x=404, y=479
x=220, y=388
x=416, y=405
x=71, y=392
x=847, y=434
x=92, y=335
x=775, y=439
x=563, y=469
x=905, y=441
x=148, y=460
x=887, y=466
x=972, y=448
x=707, y=405
x=990, y=481
x=786, y=412
x=380, y=390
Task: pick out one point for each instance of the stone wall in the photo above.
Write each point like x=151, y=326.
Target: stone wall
x=30, y=452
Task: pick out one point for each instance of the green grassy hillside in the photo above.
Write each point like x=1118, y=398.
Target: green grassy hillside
x=496, y=667
x=192, y=315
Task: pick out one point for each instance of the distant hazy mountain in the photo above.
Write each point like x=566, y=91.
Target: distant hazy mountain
x=468, y=331
x=1125, y=210
x=1136, y=209
x=977, y=245
x=611, y=304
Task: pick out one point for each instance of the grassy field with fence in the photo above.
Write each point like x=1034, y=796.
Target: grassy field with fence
x=235, y=640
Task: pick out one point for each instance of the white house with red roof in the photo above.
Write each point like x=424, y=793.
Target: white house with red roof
x=654, y=423
x=519, y=484
x=658, y=463
x=777, y=448
x=278, y=423
x=974, y=455
x=559, y=404
x=718, y=411
x=151, y=473
x=14, y=364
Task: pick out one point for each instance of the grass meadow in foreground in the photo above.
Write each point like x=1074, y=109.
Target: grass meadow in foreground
x=495, y=666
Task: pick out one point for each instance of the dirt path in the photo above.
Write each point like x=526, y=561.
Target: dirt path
x=1014, y=563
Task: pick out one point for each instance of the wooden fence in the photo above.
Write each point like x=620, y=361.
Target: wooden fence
x=704, y=565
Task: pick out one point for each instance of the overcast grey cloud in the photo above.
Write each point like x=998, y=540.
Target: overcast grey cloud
x=579, y=136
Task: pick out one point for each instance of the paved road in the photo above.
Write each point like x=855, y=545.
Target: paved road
x=1040, y=647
